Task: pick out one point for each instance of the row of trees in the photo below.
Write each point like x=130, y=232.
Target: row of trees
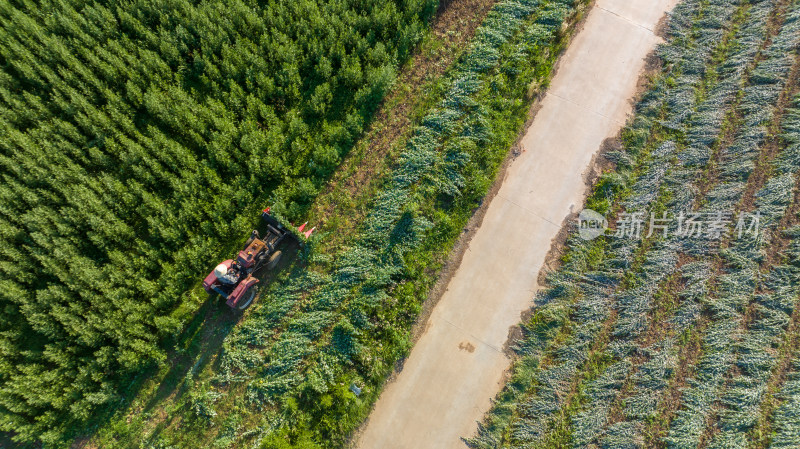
x=135, y=138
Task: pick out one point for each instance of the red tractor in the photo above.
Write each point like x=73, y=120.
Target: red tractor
x=235, y=280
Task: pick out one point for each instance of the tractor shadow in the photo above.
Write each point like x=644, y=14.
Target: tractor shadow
x=198, y=348
x=201, y=344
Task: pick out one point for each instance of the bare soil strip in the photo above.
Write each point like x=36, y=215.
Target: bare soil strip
x=345, y=199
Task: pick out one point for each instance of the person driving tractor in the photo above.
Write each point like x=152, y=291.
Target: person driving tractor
x=227, y=275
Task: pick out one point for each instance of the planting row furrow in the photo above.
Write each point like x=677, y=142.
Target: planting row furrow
x=636, y=364
x=651, y=386
x=729, y=306
x=738, y=158
x=646, y=386
x=766, y=322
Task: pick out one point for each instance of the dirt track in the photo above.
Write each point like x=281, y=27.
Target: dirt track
x=457, y=366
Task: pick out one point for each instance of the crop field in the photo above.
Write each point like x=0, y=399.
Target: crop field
x=138, y=140
x=680, y=338
x=343, y=317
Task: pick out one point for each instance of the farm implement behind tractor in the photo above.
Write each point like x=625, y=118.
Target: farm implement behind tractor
x=235, y=280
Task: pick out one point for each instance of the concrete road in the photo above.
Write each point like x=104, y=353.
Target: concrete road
x=457, y=366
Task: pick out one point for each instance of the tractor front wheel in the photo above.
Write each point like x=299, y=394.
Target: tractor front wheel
x=249, y=296
x=273, y=260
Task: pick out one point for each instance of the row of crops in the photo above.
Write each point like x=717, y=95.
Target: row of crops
x=344, y=319
x=669, y=341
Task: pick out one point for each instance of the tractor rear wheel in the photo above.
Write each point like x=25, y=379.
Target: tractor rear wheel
x=249, y=296
x=273, y=260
